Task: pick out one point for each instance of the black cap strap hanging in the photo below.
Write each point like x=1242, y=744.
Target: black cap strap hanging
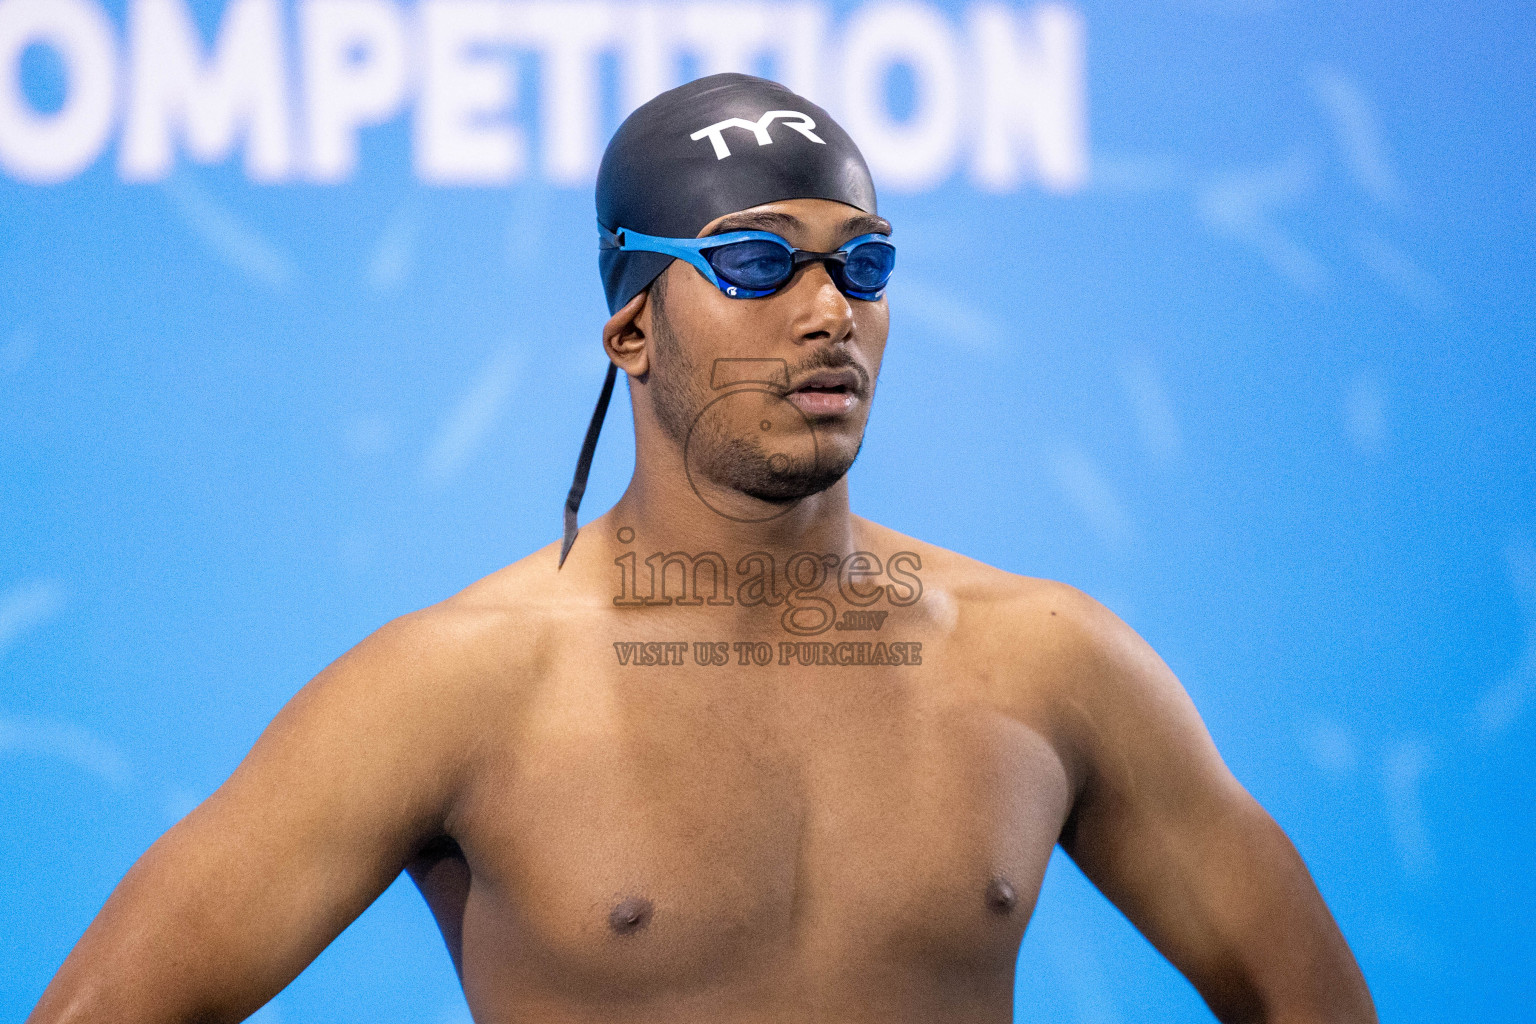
x=584, y=463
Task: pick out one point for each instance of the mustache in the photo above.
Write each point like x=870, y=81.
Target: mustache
x=830, y=359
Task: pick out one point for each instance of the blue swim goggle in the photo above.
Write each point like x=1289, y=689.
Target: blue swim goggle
x=753, y=264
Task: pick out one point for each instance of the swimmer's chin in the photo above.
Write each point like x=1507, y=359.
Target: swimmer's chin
x=786, y=489
x=783, y=496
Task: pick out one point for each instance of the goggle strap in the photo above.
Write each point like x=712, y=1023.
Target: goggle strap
x=584, y=464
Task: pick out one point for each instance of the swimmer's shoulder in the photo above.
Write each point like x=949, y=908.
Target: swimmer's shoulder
x=987, y=598
x=1054, y=658
x=493, y=635
x=1057, y=638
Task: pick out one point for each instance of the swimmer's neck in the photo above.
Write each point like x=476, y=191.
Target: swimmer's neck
x=667, y=514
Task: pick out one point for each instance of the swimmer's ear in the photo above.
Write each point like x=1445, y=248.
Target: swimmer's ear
x=625, y=339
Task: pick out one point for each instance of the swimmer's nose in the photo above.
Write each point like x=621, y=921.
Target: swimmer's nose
x=827, y=315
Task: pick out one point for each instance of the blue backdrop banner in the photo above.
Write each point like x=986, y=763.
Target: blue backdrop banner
x=1218, y=311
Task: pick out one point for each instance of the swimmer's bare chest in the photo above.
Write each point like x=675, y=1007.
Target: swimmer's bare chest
x=737, y=842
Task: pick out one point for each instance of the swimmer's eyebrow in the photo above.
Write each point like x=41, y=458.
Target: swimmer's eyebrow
x=761, y=220
x=866, y=224
x=773, y=220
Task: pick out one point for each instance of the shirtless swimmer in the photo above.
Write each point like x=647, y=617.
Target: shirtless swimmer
x=734, y=754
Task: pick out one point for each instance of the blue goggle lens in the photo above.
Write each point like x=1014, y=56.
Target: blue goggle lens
x=759, y=265
x=869, y=265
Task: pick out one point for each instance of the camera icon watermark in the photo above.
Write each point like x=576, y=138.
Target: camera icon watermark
x=747, y=389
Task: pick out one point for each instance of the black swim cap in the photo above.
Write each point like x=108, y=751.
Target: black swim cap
x=715, y=146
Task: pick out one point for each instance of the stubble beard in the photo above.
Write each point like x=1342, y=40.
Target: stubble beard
x=737, y=462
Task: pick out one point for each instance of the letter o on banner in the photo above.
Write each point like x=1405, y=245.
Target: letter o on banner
x=49, y=148
x=920, y=152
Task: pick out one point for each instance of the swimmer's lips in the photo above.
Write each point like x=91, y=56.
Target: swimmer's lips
x=827, y=393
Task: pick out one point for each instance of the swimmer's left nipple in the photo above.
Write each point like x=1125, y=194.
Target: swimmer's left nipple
x=1000, y=895
x=630, y=915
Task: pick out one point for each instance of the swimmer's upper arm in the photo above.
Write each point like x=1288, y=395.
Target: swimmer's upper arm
x=1167, y=833
x=354, y=775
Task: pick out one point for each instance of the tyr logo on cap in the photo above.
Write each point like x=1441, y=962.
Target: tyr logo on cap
x=791, y=118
